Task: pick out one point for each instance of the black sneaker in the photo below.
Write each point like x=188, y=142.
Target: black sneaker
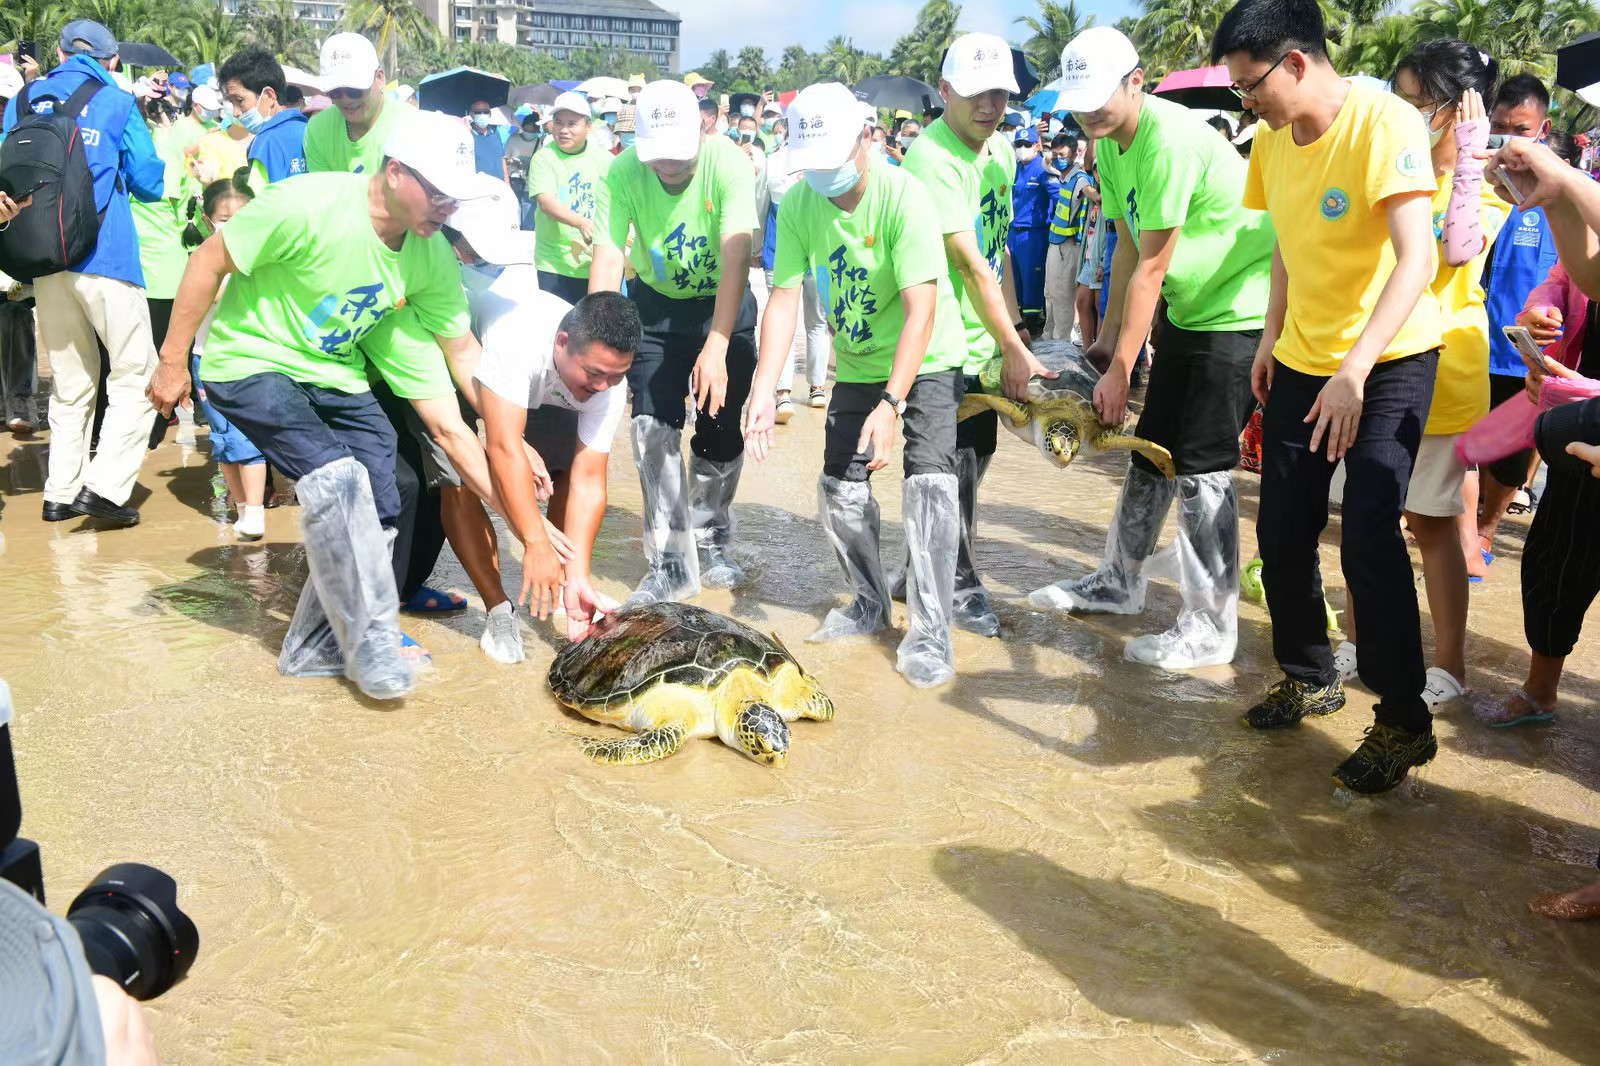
x=1291, y=700
x=1381, y=762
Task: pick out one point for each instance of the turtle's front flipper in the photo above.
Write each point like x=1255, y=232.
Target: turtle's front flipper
x=1150, y=450
x=650, y=746
x=978, y=402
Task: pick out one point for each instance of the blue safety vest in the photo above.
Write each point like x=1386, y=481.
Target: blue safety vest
x=1521, y=259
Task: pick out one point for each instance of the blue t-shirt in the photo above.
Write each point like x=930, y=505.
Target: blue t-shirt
x=490, y=154
x=280, y=145
x=1522, y=257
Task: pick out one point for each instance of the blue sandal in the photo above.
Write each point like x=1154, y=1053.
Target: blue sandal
x=406, y=644
x=432, y=601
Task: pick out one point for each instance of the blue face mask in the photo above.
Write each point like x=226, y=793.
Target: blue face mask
x=836, y=182
x=252, y=120
x=627, y=139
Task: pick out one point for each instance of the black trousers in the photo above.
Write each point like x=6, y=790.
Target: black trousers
x=569, y=289
x=1199, y=397
x=929, y=426
x=419, y=533
x=1512, y=471
x=1372, y=551
x=658, y=381
x=1561, y=561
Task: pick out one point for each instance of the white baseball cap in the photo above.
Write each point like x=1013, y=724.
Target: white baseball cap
x=825, y=124
x=666, y=122
x=440, y=149
x=977, y=63
x=609, y=106
x=1093, y=64
x=577, y=103
x=348, y=62
x=10, y=81
x=491, y=223
x=207, y=98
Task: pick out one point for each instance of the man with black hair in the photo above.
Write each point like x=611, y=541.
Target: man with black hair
x=1345, y=368
x=1521, y=258
x=253, y=83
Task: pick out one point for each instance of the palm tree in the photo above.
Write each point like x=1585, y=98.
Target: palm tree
x=32, y=20
x=797, y=69
x=212, y=35
x=394, y=22
x=920, y=53
x=276, y=26
x=1179, y=32
x=752, y=69
x=1052, y=30
x=842, y=60
x=1376, y=49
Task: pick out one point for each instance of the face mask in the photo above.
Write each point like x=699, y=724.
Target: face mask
x=905, y=142
x=836, y=182
x=627, y=140
x=208, y=118
x=610, y=119
x=530, y=136
x=1434, y=137
x=1024, y=154
x=747, y=111
x=252, y=120
x=766, y=127
x=481, y=121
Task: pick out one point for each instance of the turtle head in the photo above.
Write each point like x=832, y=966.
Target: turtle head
x=762, y=734
x=1061, y=440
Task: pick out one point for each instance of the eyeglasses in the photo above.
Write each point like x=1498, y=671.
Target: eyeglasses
x=1242, y=91
x=435, y=197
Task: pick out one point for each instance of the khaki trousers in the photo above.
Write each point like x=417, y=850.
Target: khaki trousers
x=1060, y=290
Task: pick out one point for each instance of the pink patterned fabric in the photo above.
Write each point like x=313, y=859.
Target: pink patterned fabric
x=1508, y=429
x=1463, y=218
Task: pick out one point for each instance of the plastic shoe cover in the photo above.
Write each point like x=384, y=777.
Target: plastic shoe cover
x=669, y=548
x=1344, y=659
x=850, y=517
x=309, y=647
x=1118, y=586
x=711, y=489
x=974, y=613
x=348, y=552
x=1207, y=555
x=932, y=512
x=502, y=637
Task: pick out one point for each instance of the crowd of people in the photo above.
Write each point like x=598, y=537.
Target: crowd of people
x=420, y=319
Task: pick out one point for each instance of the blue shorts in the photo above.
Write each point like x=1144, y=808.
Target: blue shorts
x=228, y=445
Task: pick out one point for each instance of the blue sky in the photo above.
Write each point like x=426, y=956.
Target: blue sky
x=874, y=26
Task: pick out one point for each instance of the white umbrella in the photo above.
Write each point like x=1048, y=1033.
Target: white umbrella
x=309, y=84
x=603, y=86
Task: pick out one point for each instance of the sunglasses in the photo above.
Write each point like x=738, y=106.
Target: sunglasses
x=435, y=197
x=346, y=94
x=1243, y=91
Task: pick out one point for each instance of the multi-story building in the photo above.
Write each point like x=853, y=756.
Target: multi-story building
x=559, y=28
x=321, y=15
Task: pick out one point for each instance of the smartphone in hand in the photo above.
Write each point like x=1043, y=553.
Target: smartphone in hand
x=1523, y=342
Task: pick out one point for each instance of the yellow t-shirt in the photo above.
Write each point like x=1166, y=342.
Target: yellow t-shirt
x=1461, y=390
x=1326, y=200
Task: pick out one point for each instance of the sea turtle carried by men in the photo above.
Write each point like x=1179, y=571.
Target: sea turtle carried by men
x=1059, y=416
x=668, y=672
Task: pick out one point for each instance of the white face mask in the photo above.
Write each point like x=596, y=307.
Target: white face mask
x=481, y=121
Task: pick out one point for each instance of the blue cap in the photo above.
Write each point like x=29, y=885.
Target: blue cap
x=1026, y=135
x=202, y=74
x=178, y=80
x=87, y=37
x=524, y=111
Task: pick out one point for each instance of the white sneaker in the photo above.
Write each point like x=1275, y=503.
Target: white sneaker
x=502, y=637
x=1344, y=660
x=785, y=410
x=818, y=398
x=252, y=523
x=1441, y=688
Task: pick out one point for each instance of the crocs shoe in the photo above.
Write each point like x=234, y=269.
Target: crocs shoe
x=1441, y=688
x=1344, y=660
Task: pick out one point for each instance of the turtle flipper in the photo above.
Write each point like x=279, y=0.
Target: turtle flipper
x=1149, y=449
x=650, y=746
x=976, y=403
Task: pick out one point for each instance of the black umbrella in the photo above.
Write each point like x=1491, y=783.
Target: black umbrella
x=1578, y=64
x=456, y=90
x=894, y=92
x=1021, y=69
x=541, y=96
x=146, y=55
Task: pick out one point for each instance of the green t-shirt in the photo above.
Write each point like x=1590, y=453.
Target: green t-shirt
x=573, y=180
x=407, y=356
x=862, y=261
x=329, y=147
x=968, y=193
x=314, y=279
x=1178, y=174
x=160, y=224
x=677, y=247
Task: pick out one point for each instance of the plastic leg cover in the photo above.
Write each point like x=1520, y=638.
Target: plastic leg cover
x=932, y=512
x=349, y=556
x=674, y=572
x=310, y=648
x=711, y=489
x=1208, y=577
x=850, y=515
x=1118, y=586
x=972, y=609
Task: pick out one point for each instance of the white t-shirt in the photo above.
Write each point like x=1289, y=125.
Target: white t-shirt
x=517, y=324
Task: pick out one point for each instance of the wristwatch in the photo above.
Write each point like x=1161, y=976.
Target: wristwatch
x=894, y=401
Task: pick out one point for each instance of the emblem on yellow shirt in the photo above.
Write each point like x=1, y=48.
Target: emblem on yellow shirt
x=1335, y=202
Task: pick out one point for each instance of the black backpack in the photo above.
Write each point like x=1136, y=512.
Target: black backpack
x=44, y=157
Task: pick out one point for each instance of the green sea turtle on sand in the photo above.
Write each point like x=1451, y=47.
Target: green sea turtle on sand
x=1059, y=416
x=671, y=671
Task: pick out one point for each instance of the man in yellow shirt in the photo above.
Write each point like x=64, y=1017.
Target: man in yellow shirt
x=1345, y=368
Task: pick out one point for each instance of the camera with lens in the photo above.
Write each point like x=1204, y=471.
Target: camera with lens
x=127, y=918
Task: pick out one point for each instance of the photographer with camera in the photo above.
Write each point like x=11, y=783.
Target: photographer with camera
x=70, y=987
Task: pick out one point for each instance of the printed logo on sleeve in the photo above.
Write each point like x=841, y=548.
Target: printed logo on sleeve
x=1409, y=163
x=1335, y=204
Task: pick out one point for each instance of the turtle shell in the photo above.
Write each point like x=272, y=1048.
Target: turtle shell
x=1077, y=376
x=654, y=643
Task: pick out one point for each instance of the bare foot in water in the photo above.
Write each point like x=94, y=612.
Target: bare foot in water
x=1575, y=906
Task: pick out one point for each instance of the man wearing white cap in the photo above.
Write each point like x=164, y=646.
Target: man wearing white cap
x=350, y=135
x=968, y=171
x=320, y=262
x=564, y=182
x=867, y=232
x=691, y=204
x=1175, y=191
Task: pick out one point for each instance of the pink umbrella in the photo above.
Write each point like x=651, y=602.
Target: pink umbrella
x=1201, y=87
